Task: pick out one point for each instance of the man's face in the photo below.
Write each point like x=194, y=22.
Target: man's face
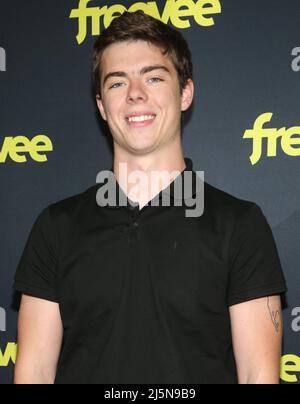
x=153, y=94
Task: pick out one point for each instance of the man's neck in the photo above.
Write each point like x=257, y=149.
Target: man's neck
x=143, y=177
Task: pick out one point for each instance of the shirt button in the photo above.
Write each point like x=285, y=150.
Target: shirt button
x=135, y=224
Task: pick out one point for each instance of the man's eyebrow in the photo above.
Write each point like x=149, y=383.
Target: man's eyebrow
x=144, y=70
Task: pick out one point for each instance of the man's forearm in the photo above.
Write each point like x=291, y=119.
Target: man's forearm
x=267, y=376
x=32, y=376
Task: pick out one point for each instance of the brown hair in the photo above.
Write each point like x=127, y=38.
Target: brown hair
x=140, y=26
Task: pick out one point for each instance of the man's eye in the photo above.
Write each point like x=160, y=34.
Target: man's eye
x=116, y=85
x=156, y=79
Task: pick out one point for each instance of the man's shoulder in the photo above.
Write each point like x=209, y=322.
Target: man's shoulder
x=223, y=204
x=73, y=205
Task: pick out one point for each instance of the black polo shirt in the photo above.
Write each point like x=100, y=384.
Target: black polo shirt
x=144, y=295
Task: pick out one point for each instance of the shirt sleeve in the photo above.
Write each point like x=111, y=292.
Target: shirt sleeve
x=36, y=273
x=255, y=267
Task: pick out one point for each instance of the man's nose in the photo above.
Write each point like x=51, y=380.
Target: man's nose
x=136, y=91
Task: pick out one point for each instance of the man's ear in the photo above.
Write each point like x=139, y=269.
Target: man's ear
x=187, y=95
x=101, y=107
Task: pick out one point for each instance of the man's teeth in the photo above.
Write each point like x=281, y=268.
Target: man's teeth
x=141, y=118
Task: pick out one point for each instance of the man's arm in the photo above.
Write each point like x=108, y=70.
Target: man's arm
x=40, y=334
x=257, y=338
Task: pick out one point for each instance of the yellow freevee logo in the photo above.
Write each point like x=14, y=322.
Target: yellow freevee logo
x=8, y=355
x=272, y=135
x=15, y=147
x=177, y=12
x=291, y=364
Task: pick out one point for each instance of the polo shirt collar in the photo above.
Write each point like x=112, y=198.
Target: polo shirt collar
x=186, y=195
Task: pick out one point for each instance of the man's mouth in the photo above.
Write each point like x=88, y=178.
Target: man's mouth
x=140, y=120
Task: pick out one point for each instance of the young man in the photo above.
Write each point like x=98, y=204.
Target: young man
x=142, y=293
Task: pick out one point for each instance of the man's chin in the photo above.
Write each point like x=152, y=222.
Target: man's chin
x=141, y=149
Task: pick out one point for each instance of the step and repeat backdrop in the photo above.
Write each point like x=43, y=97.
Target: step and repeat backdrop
x=243, y=129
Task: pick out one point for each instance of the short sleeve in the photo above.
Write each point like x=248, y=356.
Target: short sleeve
x=36, y=273
x=255, y=267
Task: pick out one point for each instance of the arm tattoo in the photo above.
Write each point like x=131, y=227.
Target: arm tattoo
x=275, y=316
